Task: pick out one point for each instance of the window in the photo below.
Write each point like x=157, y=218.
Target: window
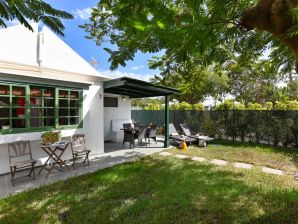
x=34, y=107
x=110, y=102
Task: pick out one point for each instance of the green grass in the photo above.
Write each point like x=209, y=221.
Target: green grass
x=164, y=190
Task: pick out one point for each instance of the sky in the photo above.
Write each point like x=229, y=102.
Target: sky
x=75, y=38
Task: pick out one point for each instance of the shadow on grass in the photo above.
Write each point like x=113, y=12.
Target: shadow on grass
x=154, y=190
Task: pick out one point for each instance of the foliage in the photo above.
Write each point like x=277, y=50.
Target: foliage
x=288, y=105
x=36, y=10
x=152, y=106
x=230, y=105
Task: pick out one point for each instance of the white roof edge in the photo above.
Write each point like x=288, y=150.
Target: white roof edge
x=42, y=72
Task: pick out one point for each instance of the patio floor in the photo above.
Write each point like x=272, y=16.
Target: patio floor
x=114, y=154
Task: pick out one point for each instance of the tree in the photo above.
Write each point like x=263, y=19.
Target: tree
x=200, y=31
x=36, y=10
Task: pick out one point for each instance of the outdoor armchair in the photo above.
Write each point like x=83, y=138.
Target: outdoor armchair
x=20, y=158
x=79, y=149
x=188, y=132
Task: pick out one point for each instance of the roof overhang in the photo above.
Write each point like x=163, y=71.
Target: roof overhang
x=135, y=88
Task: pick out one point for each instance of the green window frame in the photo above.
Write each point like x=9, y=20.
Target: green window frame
x=35, y=107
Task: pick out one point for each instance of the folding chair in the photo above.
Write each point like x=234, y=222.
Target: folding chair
x=79, y=149
x=20, y=159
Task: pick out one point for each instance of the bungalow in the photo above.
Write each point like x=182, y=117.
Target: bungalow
x=45, y=85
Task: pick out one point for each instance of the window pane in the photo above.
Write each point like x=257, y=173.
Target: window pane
x=4, y=124
x=49, y=92
x=63, y=112
x=63, y=121
x=63, y=94
x=74, y=95
x=49, y=122
x=74, y=103
x=49, y=102
x=4, y=101
x=4, y=90
x=35, y=112
x=35, y=122
x=18, y=91
x=74, y=112
x=35, y=91
x=110, y=102
x=74, y=120
x=19, y=102
x=4, y=112
x=18, y=112
x=18, y=123
x=35, y=102
x=63, y=103
x=48, y=112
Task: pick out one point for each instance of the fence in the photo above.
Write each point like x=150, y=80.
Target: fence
x=270, y=127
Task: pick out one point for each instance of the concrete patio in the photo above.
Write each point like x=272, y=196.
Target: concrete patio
x=114, y=154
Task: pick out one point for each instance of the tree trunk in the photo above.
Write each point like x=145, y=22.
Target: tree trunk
x=274, y=17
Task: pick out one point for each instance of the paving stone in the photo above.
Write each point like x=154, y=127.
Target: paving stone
x=165, y=154
x=200, y=159
x=272, y=171
x=243, y=165
x=181, y=156
x=219, y=162
x=296, y=176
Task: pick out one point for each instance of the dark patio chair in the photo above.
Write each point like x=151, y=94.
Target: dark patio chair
x=152, y=133
x=142, y=135
x=172, y=130
x=20, y=159
x=127, y=125
x=79, y=149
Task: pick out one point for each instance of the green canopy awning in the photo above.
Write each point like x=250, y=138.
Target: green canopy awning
x=135, y=88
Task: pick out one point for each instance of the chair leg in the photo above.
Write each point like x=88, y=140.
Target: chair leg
x=13, y=172
x=74, y=161
x=87, y=159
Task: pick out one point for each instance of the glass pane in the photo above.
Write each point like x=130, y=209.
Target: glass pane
x=18, y=123
x=4, y=90
x=49, y=122
x=74, y=112
x=63, y=103
x=19, y=102
x=35, y=122
x=18, y=91
x=4, y=124
x=63, y=112
x=4, y=101
x=63, y=94
x=49, y=102
x=18, y=112
x=74, y=120
x=35, y=102
x=35, y=112
x=74, y=95
x=74, y=103
x=35, y=91
x=4, y=112
x=63, y=121
x=49, y=92
x=48, y=112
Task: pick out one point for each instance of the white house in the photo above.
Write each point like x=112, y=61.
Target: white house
x=45, y=85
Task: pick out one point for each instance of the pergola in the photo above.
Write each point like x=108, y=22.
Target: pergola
x=134, y=88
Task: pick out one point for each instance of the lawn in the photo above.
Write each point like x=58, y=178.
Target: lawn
x=160, y=189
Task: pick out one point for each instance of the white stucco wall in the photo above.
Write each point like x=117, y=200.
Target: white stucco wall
x=92, y=127
x=122, y=112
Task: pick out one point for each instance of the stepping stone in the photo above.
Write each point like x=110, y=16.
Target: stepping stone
x=219, y=162
x=200, y=159
x=165, y=154
x=181, y=156
x=272, y=171
x=243, y=165
x=296, y=176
